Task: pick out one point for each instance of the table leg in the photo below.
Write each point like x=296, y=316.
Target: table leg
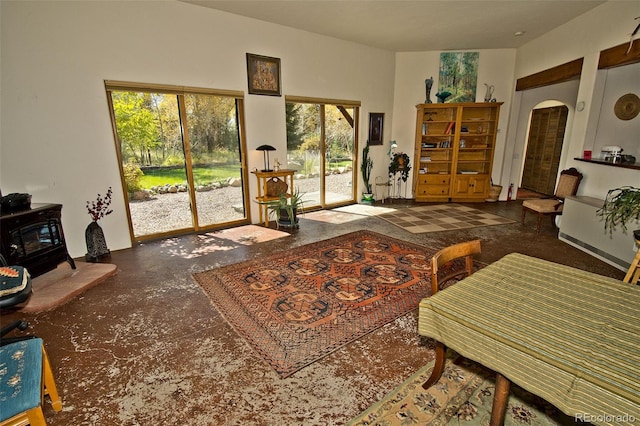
x=438, y=366
x=500, y=398
x=266, y=215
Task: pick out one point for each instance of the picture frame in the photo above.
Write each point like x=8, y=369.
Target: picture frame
x=263, y=74
x=376, y=128
x=458, y=76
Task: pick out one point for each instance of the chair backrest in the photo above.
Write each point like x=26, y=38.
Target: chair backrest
x=568, y=183
x=633, y=274
x=466, y=250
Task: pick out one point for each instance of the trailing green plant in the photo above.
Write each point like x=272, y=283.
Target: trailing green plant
x=400, y=163
x=621, y=206
x=366, y=167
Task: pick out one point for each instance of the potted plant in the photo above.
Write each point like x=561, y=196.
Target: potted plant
x=621, y=207
x=365, y=168
x=285, y=208
x=399, y=164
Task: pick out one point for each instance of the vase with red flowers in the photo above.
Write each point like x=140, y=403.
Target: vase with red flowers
x=94, y=236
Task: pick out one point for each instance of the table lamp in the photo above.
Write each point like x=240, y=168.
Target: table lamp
x=265, y=151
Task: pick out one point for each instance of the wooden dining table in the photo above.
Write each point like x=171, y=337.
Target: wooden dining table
x=566, y=335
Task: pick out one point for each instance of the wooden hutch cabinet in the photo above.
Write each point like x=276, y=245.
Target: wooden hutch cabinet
x=454, y=150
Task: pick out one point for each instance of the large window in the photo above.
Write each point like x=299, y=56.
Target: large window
x=181, y=156
x=321, y=146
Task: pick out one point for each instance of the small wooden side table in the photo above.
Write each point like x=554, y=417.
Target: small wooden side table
x=285, y=175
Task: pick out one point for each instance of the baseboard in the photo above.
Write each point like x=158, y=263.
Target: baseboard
x=595, y=252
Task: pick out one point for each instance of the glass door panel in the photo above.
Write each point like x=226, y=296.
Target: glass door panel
x=339, y=155
x=214, y=149
x=153, y=161
x=304, y=133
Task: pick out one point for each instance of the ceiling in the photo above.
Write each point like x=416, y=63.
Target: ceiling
x=406, y=25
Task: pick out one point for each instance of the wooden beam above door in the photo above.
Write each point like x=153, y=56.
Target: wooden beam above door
x=561, y=73
x=622, y=54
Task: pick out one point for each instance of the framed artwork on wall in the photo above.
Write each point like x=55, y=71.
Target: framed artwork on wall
x=263, y=73
x=458, y=77
x=376, y=127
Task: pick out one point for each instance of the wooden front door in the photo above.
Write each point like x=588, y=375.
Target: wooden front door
x=544, y=147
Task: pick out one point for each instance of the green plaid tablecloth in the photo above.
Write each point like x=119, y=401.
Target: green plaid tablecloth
x=569, y=336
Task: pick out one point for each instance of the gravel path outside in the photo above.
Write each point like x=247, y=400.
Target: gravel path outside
x=168, y=212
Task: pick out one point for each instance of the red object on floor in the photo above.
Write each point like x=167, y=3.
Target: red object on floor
x=510, y=193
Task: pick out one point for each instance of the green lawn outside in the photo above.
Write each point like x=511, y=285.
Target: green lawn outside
x=340, y=163
x=175, y=176
x=202, y=175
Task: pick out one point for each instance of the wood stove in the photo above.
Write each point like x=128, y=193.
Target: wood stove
x=34, y=238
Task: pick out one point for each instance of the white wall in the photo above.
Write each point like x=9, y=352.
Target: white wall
x=611, y=130
x=56, y=138
x=603, y=27
x=581, y=227
x=563, y=93
x=495, y=67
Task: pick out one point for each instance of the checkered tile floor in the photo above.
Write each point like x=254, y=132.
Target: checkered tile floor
x=441, y=217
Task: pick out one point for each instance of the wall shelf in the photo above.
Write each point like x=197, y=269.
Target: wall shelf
x=635, y=166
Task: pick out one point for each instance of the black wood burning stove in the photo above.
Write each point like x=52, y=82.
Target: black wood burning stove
x=33, y=238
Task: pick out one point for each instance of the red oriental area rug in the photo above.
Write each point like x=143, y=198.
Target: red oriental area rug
x=297, y=306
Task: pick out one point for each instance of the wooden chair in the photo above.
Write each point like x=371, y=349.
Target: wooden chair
x=457, y=251
x=567, y=185
x=633, y=275
x=26, y=380
x=466, y=250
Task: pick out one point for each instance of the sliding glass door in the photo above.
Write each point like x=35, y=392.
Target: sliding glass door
x=321, y=146
x=181, y=158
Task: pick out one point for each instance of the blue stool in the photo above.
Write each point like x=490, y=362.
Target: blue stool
x=25, y=377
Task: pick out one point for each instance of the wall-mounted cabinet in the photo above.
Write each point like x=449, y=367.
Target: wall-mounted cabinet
x=454, y=151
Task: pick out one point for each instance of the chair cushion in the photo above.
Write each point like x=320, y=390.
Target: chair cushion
x=20, y=377
x=550, y=205
x=13, y=279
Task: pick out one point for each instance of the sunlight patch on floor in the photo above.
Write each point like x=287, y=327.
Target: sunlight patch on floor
x=224, y=240
x=365, y=210
x=346, y=214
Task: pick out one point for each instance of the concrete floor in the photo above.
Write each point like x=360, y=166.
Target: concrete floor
x=146, y=347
